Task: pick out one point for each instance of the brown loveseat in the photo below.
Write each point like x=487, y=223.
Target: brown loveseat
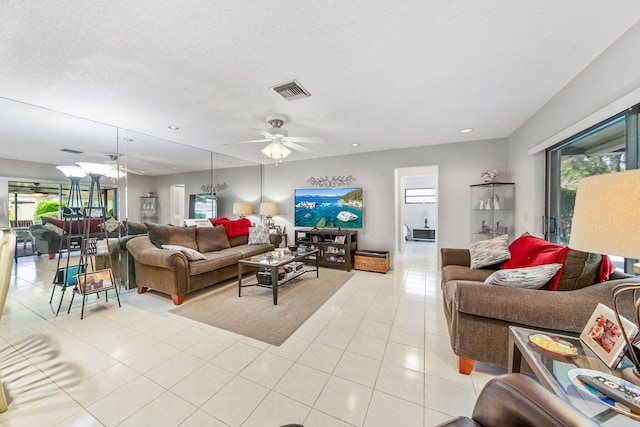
x=171, y=272
x=478, y=315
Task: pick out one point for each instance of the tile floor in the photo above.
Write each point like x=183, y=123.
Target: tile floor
x=376, y=354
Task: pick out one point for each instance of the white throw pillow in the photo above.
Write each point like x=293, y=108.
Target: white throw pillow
x=191, y=254
x=258, y=235
x=490, y=252
x=198, y=222
x=527, y=278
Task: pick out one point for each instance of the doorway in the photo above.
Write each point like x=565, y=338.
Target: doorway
x=416, y=191
x=177, y=204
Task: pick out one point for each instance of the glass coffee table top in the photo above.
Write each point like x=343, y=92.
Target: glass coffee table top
x=553, y=371
x=277, y=258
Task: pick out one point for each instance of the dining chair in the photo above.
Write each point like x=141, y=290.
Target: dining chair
x=7, y=251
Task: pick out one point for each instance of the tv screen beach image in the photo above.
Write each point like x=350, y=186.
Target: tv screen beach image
x=328, y=208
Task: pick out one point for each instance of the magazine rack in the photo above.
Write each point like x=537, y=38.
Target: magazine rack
x=94, y=281
x=71, y=239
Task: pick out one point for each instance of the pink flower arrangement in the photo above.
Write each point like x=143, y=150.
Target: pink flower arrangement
x=490, y=174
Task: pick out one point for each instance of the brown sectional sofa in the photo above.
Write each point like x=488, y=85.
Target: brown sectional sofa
x=171, y=272
x=479, y=315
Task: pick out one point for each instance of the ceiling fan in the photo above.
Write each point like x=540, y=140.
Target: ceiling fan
x=113, y=160
x=279, y=140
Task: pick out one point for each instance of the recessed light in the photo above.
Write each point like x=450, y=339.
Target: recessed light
x=355, y=144
x=173, y=127
x=467, y=130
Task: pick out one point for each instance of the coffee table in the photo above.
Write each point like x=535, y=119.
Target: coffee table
x=552, y=372
x=272, y=261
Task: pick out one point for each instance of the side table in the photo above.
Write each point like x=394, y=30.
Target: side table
x=552, y=372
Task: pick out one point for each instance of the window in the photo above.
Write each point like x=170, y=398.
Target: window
x=419, y=195
x=608, y=147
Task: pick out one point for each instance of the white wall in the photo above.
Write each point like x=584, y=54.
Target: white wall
x=612, y=76
x=459, y=165
x=243, y=184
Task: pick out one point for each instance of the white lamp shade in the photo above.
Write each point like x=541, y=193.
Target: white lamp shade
x=95, y=168
x=607, y=214
x=242, y=208
x=276, y=150
x=268, y=209
x=72, y=171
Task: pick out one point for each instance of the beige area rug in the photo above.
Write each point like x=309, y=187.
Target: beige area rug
x=254, y=315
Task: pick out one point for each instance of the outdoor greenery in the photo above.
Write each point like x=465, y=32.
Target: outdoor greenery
x=572, y=169
x=46, y=208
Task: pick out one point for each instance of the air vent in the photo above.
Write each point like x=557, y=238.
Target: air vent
x=69, y=150
x=291, y=91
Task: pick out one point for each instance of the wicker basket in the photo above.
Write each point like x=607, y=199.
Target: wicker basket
x=376, y=261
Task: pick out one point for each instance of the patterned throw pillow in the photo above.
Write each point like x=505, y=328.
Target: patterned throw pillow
x=53, y=228
x=490, y=252
x=191, y=254
x=258, y=235
x=526, y=278
x=110, y=225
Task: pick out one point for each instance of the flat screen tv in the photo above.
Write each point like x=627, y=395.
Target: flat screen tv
x=328, y=208
x=202, y=205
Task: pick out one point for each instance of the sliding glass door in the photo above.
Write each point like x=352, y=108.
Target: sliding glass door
x=608, y=147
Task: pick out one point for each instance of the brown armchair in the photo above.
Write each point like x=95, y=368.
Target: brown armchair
x=516, y=400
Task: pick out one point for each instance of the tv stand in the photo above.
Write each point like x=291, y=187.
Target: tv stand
x=336, y=247
x=424, y=234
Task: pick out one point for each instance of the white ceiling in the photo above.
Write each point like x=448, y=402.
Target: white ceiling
x=382, y=74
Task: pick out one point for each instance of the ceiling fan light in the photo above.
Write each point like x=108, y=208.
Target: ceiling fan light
x=276, y=151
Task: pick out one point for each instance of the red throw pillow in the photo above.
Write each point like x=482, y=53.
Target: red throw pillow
x=528, y=251
x=235, y=228
x=217, y=221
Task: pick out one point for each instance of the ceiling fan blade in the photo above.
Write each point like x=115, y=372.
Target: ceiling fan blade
x=264, y=133
x=306, y=139
x=247, y=142
x=134, y=171
x=291, y=144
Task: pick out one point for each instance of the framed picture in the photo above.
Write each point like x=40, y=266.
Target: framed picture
x=93, y=246
x=603, y=335
x=340, y=239
x=95, y=281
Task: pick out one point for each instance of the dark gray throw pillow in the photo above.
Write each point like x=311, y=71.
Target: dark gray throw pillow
x=212, y=239
x=171, y=235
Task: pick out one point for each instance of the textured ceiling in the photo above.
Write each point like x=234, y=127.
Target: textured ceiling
x=382, y=74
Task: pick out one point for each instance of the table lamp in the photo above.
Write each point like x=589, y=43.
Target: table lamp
x=269, y=209
x=242, y=209
x=605, y=221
